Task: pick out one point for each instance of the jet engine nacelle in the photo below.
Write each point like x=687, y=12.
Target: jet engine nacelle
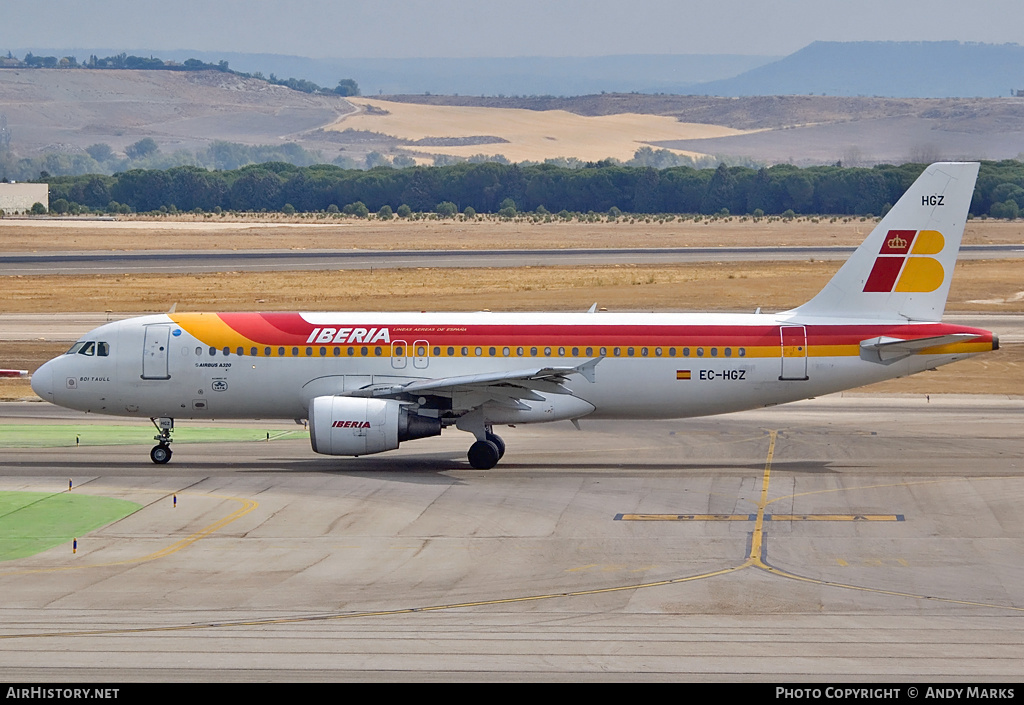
x=356, y=426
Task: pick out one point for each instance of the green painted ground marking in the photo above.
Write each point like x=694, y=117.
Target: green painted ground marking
x=56, y=436
x=32, y=522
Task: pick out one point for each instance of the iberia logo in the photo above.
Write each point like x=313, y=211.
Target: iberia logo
x=903, y=265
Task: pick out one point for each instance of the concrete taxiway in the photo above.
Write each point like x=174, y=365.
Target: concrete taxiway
x=839, y=539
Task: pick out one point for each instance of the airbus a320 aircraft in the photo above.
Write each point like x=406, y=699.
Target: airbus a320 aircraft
x=369, y=381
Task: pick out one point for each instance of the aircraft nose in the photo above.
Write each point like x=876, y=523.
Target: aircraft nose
x=42, y=381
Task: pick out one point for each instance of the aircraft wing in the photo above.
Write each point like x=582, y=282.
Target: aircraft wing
x=885, y=349
x=506, y=388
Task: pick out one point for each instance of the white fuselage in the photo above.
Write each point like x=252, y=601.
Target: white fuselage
x=650, y=365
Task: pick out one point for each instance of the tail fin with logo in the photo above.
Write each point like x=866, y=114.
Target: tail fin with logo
x=904, y=268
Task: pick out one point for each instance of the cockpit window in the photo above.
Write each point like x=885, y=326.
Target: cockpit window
x=89, y=347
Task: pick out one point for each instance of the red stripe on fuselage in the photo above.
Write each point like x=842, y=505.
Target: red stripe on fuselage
x=293, y=329
x=269, y=328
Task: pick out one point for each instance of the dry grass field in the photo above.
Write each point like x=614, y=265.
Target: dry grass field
x=283, y=232
x=981, y=285
x=527, y=134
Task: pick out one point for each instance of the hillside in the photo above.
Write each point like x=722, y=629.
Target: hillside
x=65, y=111
x=904, y=69
x=807, y=129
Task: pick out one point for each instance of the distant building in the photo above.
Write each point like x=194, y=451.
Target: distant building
x=19, y=198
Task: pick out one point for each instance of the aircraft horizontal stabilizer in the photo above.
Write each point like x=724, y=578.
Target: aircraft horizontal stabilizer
x=885, y=349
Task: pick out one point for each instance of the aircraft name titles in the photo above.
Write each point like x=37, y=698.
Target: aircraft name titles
x=349, y=335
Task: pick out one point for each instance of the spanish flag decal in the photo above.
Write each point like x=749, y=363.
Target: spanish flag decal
x=682, y=374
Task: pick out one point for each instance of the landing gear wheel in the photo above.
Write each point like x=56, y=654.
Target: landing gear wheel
x=484, y=455
x=496, y=440
x=160, y=454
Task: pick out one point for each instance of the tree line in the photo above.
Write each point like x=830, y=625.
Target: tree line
x=491, y=187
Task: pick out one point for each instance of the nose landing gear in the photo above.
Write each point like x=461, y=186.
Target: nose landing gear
x=161, y=452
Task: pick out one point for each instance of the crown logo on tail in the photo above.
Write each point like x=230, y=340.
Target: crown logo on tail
x=896, y=242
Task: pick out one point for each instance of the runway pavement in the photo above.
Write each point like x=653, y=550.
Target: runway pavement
x=194, y=262
x=847, y=538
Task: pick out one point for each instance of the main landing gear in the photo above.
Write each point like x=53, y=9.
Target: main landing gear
x=161, y=452
x=485, y=454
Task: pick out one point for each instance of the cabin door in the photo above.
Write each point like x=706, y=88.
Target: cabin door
x=154, y=352
x=794, y=352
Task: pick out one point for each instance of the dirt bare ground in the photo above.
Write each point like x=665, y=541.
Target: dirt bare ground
x=282, y=232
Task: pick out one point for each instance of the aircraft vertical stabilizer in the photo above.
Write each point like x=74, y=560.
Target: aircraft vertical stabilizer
x=904, y=268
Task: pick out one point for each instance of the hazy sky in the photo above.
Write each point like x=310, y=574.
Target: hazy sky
x=466, y=28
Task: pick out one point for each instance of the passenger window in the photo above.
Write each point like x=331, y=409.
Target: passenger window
x=227, y=351
x=213, y=351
